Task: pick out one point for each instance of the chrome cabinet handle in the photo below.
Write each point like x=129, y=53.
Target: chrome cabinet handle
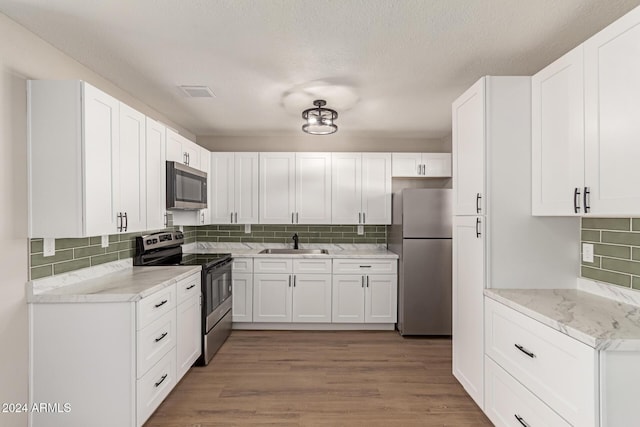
x=364, y=218
x=289, y=280
x=576, y=200
x=478, y=232
x=202, y=216
x=359, y=217
x=365, y=266
x=231, y=220
x=119, y=217
x=161, y=337
x=236, y=215
x=587, y=199
x=166, y=220
x=126, y=222
x=521, y=420
x=191, y=287
x=161, y=304
x=297, y=221
x=294, y=280
x=367, y=281
x=525, y=351
x=363, y=281
x=478, y=198
x=419, y=169
x=164, y=377
x=424, y=170
x=292, y=218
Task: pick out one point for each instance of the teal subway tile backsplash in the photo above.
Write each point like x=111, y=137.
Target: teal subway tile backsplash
x=73, y=254
x=616, y=244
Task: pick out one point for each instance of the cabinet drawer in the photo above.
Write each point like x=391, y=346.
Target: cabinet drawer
x=272, y=265
x=243, y=265
x=364, y=266
x=311, y=266
x=155, y=385
x=558, y=369
x=188, y=287
x=154, y=341
x=156, y=305
x=506, y=400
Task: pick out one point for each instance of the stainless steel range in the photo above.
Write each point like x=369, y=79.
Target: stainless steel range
x=165, y=248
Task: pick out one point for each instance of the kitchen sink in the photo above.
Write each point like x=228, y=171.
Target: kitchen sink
x=294, y=251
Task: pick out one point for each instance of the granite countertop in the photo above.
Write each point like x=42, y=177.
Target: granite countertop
x=599, y=322
x=251, y=250
x=117, y=285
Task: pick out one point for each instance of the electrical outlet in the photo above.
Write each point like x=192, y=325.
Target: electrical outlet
x=105, y=241
x=247, y=228
x=360, y=230
x=49, y=247
x=587, y=252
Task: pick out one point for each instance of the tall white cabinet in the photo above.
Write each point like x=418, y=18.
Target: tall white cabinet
x=496, y=241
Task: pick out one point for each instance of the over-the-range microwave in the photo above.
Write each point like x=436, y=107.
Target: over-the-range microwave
x=186, y=187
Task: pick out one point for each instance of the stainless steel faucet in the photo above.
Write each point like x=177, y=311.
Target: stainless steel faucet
x=295, y=241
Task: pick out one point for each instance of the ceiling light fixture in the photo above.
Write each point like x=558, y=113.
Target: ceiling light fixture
x=319, y=120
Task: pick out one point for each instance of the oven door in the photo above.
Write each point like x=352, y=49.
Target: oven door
x=216, y=293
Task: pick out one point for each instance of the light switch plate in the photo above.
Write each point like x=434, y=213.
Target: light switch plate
x=247, y=228
x=360, y=230
x=587, y=252
x=49, y=247
x=105, y=241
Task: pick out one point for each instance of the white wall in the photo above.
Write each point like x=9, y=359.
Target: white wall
x=24, y=56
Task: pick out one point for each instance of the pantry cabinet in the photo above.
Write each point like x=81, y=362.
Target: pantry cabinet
x=295, y=188
x=361, y=188
x=420, y=165
x=233, y=196
x=86, y=162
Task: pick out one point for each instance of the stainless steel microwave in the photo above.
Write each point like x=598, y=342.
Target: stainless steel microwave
x=186, y=187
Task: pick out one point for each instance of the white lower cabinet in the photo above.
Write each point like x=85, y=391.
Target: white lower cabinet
x=117, y=368
x=311, y=298
x=272, y=296
x=242, y=291
x=509, y=403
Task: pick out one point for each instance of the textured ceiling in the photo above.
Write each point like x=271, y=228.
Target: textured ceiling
x=390, y=67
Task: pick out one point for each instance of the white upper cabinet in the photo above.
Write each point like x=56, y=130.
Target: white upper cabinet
x=612, y=108
x=131, y=177
x=361, y=188
x=156, y=175
x=233, y=194
x=295, y=188
x=421, y=165
x=77, y=164
x=557, y=99
x=468, y=113
x=180, y=149
x=313, y=188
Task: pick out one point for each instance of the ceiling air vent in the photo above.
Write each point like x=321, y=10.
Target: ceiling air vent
x=197, y=91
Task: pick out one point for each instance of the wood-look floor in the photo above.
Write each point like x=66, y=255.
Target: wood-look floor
x=295, y=378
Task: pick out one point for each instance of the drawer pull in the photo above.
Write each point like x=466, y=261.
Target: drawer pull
x=191, y=287
x=525, y=351
x=161, y=337
x=521, y=420
x=162, y=303
x=365, y=266
x=164, y=377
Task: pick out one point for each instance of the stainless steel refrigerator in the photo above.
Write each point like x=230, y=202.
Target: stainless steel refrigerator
x=421, y=235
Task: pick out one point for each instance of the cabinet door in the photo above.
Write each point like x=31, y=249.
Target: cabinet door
x=174, y=147
x=246, y=188
x=242, y=291
x=468, y=115
x=348, y=298
x=376, y=188
x=312, y=298
x=205, y=162
x=381, y=298
x=436, y=165
x=612, y=108
x=156, y=175
x=557, y=157
x=277, y=188
x=101, y=151
x=193, y=152
x=221, y=189
x=406, y=165
x=189, y=334
x=272, y=294
x=346, y=188
x=313, y=188
x=131, y=167
x=468, y=319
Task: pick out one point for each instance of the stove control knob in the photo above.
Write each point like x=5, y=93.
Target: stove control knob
x=149, y=242
x=155, y=240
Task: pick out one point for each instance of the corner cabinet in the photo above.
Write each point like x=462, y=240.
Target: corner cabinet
x=86, y=162
x=118, y=367
x=361, y=188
